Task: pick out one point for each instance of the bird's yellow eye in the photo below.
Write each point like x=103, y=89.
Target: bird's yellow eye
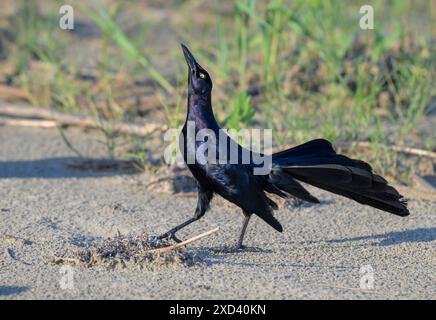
x=202, y=75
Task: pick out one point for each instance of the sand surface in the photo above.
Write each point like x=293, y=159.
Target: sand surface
x=323, y=253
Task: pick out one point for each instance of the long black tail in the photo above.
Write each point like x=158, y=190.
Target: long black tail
x=317, y=163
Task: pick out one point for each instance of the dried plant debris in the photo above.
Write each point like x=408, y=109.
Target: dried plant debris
x=121, y=252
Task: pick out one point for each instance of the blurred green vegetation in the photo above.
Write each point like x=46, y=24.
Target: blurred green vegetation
x=303, y=68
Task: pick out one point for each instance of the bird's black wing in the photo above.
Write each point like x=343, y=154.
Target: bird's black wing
x=237, y=184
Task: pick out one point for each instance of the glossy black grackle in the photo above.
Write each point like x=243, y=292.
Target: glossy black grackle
x=314, y=162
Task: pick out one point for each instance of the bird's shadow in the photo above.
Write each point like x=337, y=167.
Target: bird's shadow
x=418, y=235
x=12, y=290
x=296, y=204
x=225, y=249
x=65, y=167
x=217, y=255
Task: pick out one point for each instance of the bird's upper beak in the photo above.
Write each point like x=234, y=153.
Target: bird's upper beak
x=189, y=58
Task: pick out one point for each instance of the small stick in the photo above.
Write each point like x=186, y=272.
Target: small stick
x=29, y=123
x=415, y=151
x=183, y=243
x=402, y=149
x=65, y=119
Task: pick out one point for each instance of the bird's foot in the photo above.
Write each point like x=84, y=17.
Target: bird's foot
x=169, y=235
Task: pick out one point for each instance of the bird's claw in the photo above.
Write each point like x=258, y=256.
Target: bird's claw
x=170, y=236
x=173, y=237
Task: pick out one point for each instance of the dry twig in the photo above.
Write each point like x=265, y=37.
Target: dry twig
x=63, y=119
x=184, y=243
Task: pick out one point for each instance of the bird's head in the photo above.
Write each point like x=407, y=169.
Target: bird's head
x=199, y=79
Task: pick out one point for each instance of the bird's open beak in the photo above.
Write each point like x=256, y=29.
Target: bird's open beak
x=189, y=58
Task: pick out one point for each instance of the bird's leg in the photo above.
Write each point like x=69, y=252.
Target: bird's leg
x=239, y=245
x=171, y=234
x=204, y=198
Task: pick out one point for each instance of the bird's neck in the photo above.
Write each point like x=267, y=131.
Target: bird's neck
x=200, y=111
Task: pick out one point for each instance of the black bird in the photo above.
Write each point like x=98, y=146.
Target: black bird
x=314, y=162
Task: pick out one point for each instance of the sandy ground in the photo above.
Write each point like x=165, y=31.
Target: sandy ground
x=323, y=253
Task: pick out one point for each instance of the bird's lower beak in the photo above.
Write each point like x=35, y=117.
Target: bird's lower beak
x=189, y=58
